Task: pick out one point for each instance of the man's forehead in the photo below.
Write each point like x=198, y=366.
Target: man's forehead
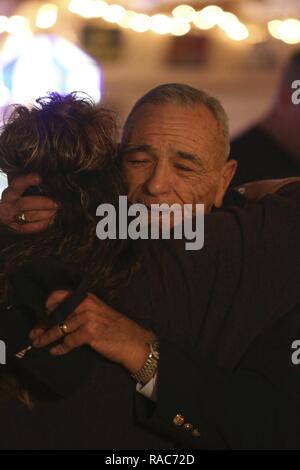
x=180, y=125
x=156, y=118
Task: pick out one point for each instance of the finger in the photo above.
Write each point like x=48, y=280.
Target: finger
x=36, y=332
x=74, y=321
x=36, y=203
x=89, y=303
x=33, y=227
x=72, y=341
x=7, y=212
x=53, y=334
x=39, y=216
x=19, y=184
x=49, y=336
x=55, y=298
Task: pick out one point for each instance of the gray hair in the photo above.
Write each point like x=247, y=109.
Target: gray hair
x=183, y=95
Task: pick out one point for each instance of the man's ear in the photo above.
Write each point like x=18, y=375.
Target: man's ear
x=227, y=173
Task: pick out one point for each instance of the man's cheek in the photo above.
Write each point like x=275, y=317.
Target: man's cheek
x=134, y=190
x=130, y=180
x=204, y=197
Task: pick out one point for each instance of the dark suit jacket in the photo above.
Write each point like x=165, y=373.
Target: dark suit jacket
x=232, y=381
x=254, y=406
x=213, y=305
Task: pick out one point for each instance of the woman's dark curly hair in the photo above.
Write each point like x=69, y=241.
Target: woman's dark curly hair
x=71, y=143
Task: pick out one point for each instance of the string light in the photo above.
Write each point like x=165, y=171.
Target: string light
x=46, y=16
x=184, y=12
x=160, y=24
x=208, y=17
x=178, y=24
x=125, y=22
x=287, y=30
x=290, y=31
x=88, y=8
x=238, y=32
x=274, y=27
x=179, y=27
x=114, y=13
x=139, y=23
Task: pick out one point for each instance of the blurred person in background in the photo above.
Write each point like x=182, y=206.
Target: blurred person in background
x=271, y=148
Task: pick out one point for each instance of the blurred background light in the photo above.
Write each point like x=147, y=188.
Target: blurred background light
x=49, y=63
x=127, y=18
x=3, y=182
x=88, y=8
x=179, y=27
x=227, y=20
x=233, y=27
x=16, y=24
x=274, y=28
x=289, y=31
x=139, y=22
x=177, y=24
x=3, y=24
x=184, y=12
x=237, y=32
x=208, y=17
x=160, y=24
x=114, y=13
x=15, y=43
x=46, y=16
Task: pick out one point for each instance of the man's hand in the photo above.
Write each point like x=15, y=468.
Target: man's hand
x=94, y=323
x=39, y=211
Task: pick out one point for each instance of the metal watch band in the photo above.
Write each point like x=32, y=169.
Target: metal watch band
x=148, y=370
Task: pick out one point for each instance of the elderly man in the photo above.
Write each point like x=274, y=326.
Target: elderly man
x=174, y=149
x=176, y=155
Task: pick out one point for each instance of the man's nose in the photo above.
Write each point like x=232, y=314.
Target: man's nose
x=159, y=181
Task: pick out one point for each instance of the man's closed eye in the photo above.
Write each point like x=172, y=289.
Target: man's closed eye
x=137, y=162
x=183, y=168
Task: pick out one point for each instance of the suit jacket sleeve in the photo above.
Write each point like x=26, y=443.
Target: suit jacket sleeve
x=255, y=406
x=247, y=274
x=227, y=368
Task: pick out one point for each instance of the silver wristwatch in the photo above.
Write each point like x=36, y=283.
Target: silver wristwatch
x=149, y=368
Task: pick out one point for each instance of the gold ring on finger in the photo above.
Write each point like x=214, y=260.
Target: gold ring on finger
x=63, y=328
x=20, y=218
